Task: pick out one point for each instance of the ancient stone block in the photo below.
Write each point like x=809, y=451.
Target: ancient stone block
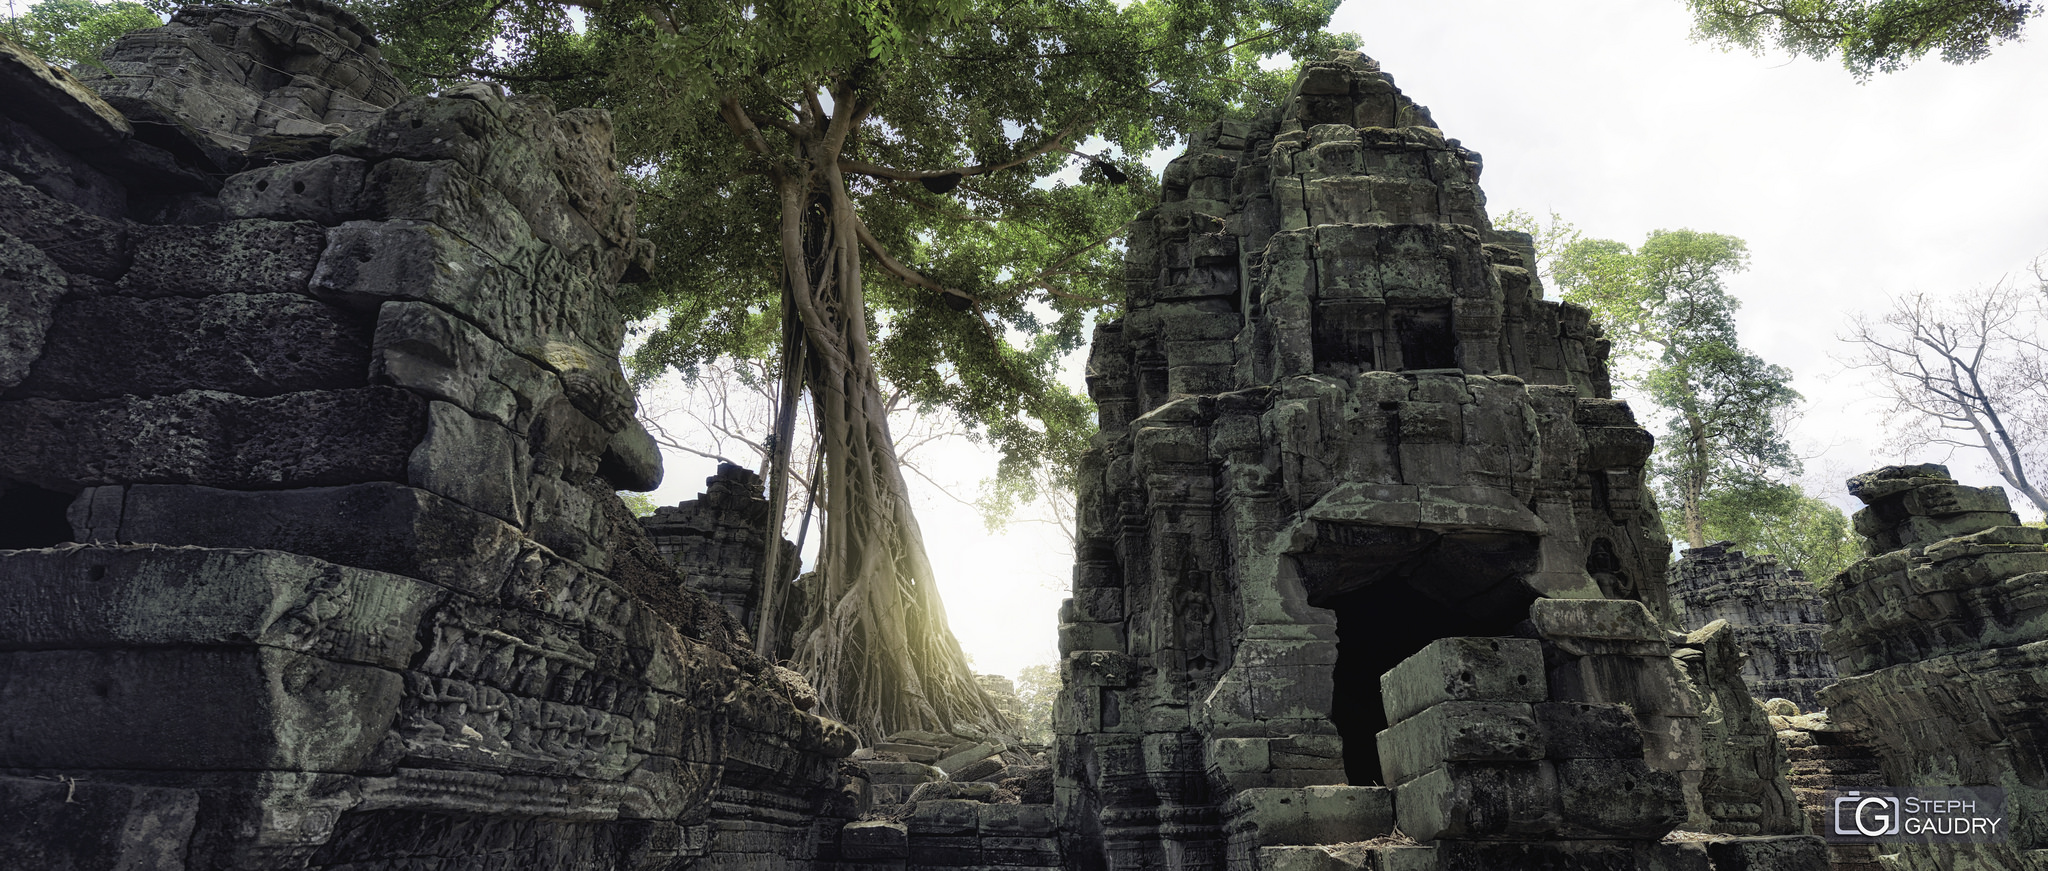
x=1310, y=815
x=1480, y=801
x=30, y=288
x=423, y=129
x=478, y=463
x=944, y=817
x=1459, y=732
x=1464, y=669
x=79, y=824
x=1793, y=853
x=102, y=596
x=1022, y=820
x=250, y=345
x=1575, y=855
x=250, y=256
x=1617, y=798
x=382, y=526
x=327, y=190
x=1651, y=685
x=56, y=103
x=1595, y=619
x=191, y=709
x=1584, y=730
x=214, y=439
x=74, y=239
x=443, y=193
x=1011, y=851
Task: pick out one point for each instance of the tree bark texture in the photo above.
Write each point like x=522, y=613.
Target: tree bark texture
x=874, y=639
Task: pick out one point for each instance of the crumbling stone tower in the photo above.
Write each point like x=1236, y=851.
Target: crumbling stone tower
x=1774, y=612
x=719, y=542
x=310, y=421
x=1344, y=436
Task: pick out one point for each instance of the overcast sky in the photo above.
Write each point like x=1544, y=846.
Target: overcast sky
x=1605, y=112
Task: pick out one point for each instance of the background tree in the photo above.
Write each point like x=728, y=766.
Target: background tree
x=1869, y=35
x=1672, y=324
x=1037, y=687
x=1804, y=533
x=74, y=32
x=1969, y=372
x=867, y=193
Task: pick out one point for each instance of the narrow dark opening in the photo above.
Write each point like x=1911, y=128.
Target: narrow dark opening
x=1427, y=341
x=1395, y=590
x=31, y=516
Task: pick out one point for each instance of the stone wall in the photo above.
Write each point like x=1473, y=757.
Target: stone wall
x=1344, y=436
x=1774, y=613
x=1941, y=636
x=310, y=421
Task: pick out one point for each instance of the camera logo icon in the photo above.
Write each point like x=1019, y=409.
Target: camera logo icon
x=1871, y=816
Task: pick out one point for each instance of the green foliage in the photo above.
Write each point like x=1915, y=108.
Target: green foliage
x=1037, y=687
x=1781, y=520
x=1868, y=35
x=75, y=32
x=1672, y=321
x=953, y=84
x=641, y=504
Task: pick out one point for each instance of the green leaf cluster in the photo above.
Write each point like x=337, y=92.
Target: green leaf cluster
x=1038, y=688
x=1869, y=35
x=75, y=33
x=1781, y=520
x=1668, y=312
x=953, y=83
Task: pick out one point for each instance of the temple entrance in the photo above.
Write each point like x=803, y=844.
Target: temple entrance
x=1395, y=590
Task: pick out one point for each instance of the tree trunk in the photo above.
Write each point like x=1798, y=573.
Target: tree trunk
x=874, y=641
x=1693, y=488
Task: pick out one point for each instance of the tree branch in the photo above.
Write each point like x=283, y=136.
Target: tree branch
x=909, y=276
x=861, y=167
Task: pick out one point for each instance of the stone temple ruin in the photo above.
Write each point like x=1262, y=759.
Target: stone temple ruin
x=1774, y=611
x=311, y=414
x=1366, y=554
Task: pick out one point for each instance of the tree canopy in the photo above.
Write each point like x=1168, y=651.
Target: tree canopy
x=888, y=198
x=1868, y=35
x=75, y=32
x=1672, y=323
x=1782, y=520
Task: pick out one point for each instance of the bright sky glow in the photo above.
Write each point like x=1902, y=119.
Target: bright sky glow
x=1604, y=111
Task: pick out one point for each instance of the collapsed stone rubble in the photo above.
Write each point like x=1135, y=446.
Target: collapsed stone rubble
x=1365, y=553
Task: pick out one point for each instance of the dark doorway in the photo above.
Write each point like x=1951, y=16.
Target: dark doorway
x=1395, y=590
x=31, y=516
x=1427, y=340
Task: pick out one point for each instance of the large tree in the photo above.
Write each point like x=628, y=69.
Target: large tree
x=1868, y=35
x=870, y=191
x=1968, y=372
x=1672, y=323
x=1804, y=533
